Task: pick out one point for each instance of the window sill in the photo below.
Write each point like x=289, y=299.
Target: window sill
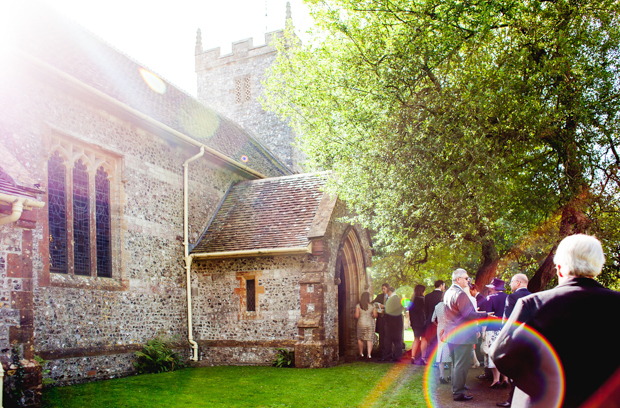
x=61, y=280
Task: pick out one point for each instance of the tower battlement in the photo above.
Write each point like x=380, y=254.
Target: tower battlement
x=241, y=49
x=232, y=84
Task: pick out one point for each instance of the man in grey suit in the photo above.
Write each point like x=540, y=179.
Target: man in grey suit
x=460, y=311
x=579, y=307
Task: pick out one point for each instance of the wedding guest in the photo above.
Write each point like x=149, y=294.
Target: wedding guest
x=579, y=304
x=365, y=315
x=417, y=317
x=443, y=352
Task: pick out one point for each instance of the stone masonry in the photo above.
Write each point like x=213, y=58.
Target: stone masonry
x=232, y=84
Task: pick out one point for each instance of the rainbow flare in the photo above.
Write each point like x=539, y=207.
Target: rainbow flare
x=406, y=303
x=555, y=380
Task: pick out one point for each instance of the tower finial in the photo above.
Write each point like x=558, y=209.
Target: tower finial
x=289, y=17
x=198, y=42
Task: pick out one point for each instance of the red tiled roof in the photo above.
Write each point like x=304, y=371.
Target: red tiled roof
x=269, y=213
x=70, y=48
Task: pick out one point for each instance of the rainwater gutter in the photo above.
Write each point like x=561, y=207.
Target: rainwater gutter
x=188, y=257
x=255, y=252
x=19, y=204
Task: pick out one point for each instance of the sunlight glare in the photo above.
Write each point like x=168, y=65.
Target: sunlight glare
x=153, y=81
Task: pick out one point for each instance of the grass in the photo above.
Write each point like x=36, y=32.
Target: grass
x=347, y=385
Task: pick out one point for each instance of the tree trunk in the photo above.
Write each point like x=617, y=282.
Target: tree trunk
x=490, y=260
x=574, y=221
x=544, y=274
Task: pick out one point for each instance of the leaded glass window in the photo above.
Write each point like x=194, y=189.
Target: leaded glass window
x=57, y=210
x=81, y=220
x=102, y=218
x=251, y=295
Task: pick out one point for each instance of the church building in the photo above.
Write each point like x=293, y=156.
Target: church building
x=130, y=209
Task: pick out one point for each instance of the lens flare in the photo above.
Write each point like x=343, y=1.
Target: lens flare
x=552, y=373
x=406, y=303
x=153, y=81
x=244, y=158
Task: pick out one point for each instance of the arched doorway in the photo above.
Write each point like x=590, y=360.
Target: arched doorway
x=352, y=281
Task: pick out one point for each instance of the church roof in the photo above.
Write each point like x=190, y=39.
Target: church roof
x=14, y=178
x=72, y=49
x=282, y=212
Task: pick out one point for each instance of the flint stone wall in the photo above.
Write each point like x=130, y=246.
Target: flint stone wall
x=220, y=311
x=218, y=78
x=147, y=293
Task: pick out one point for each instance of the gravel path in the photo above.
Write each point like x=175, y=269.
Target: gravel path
x=483, y=395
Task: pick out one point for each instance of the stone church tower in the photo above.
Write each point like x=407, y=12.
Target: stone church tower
x=232, y=83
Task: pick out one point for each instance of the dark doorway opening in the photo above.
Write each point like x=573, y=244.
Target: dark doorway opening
x=342, y=313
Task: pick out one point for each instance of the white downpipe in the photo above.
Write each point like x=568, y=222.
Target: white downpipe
x=189, y=258
x=19, y=203
x=1, y=383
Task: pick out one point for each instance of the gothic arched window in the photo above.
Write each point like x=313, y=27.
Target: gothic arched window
x=102, y=220
x=81, y=220
x=57, y=209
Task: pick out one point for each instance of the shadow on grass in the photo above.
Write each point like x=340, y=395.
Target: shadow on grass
x=347, y=385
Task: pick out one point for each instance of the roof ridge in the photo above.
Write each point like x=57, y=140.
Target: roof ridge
x=103, y=41
x=300, y=175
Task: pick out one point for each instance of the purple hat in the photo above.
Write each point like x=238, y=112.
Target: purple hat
x=497, y=284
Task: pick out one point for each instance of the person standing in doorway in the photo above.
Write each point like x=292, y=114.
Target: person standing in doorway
x=364, y=313
x=380, y=323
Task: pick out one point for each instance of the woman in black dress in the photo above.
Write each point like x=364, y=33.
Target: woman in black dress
x=417, y=317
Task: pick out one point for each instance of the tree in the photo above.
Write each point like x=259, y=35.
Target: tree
x=459, y=121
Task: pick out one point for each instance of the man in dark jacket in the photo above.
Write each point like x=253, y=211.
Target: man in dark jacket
x=578, y=306
x=380, y=324
x=462, y=332
x=430, y=301
x=518, y=285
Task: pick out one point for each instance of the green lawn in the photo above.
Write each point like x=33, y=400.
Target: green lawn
x=347, y=385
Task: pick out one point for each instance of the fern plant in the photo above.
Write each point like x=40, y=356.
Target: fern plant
x=156, y=357
x=284, y=358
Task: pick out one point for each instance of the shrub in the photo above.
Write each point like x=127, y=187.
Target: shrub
x=157, y=357
x=44, y=372
x=284, y=358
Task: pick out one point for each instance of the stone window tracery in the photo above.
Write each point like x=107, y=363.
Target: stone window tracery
x=83, y=210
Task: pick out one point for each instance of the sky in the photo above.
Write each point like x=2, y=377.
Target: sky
x=162, y=36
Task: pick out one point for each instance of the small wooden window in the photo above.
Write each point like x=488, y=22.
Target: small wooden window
x=250, y=290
